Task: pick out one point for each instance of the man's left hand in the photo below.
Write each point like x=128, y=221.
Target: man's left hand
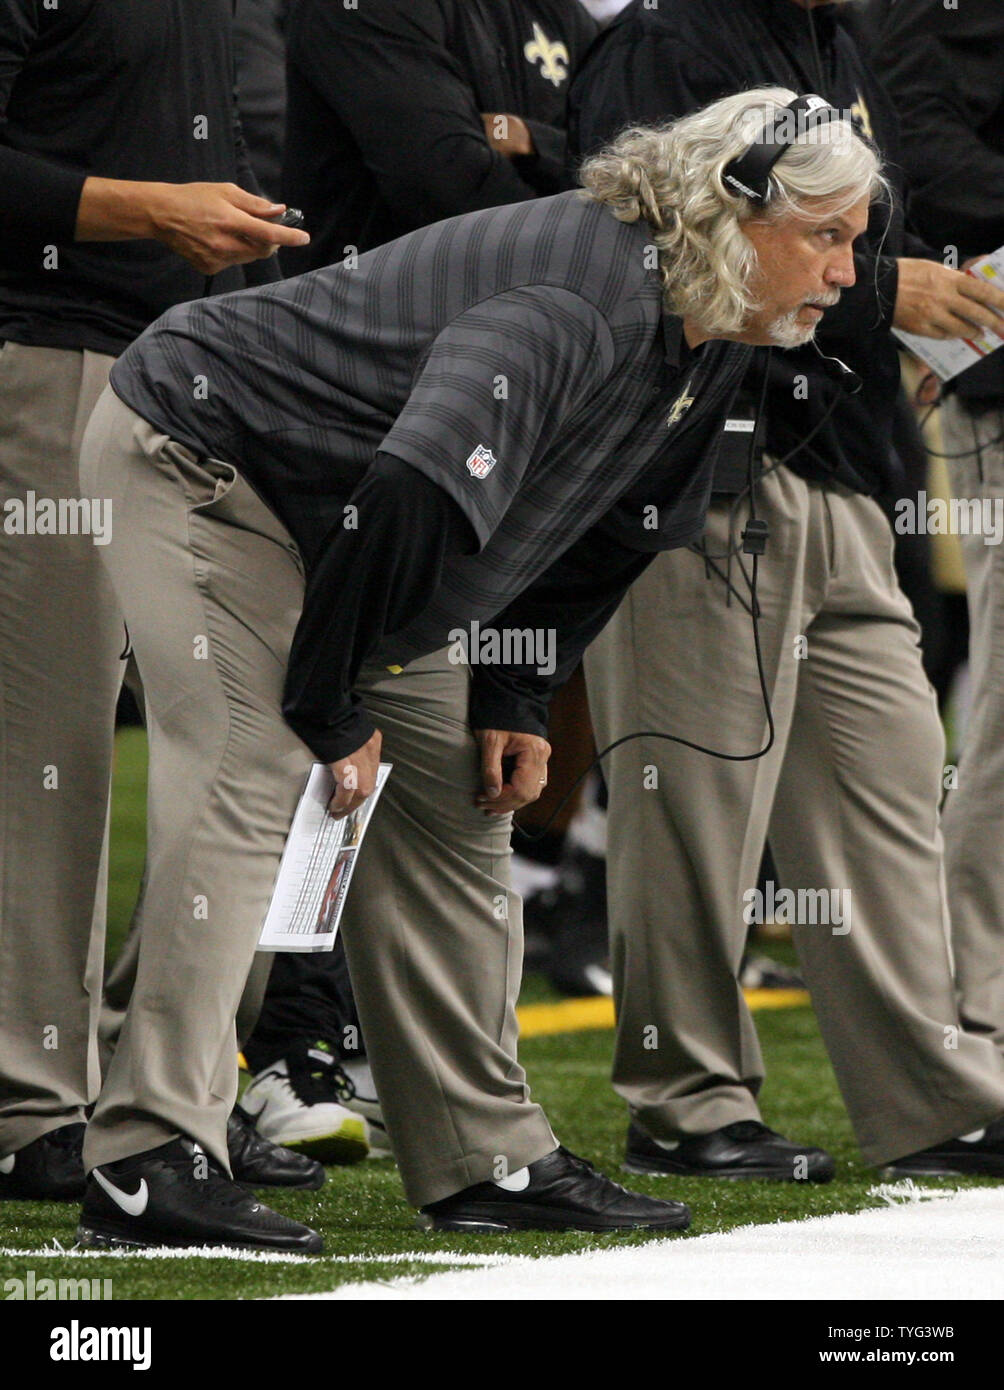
x=528, y=776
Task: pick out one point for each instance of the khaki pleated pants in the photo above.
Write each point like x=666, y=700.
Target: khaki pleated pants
x=61, y=640
x=974, y=811
x=849, y=795
x=211, y=585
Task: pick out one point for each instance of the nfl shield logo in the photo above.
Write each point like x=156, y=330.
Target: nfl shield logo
x=481, y=462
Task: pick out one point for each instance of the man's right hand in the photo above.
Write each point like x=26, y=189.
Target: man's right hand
x=507, y=135
x=355, y=777
x=936, y=302
x=212, y=225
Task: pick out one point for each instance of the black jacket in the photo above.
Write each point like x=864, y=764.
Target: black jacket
x=945, y=71
x=652, y=65
x=123, y=91
x=384, y=131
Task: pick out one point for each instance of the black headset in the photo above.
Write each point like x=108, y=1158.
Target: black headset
x=749, y=173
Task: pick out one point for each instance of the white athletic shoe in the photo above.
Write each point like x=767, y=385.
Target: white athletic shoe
x=301, y=1102
x=364, y=1101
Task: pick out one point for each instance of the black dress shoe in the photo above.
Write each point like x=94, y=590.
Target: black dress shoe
x=981, y=1153
x=745, y=1149
x=48, y=1169
x=563, y=1193
x=258, y=1162
x=176, y=1195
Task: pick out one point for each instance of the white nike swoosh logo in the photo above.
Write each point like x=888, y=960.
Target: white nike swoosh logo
x=7, y=1164
x=134, y=1205
x=515, y=1182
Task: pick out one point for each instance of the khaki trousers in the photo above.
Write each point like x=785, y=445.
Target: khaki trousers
x=849, y=795
x=974, y=813
x=212, y=587
x=61, y=639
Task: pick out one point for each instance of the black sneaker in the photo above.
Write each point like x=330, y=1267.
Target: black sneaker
x=745, y=1149
x=258, y=1162
x=764, y=972
x=48, y=1169
x=979, y=1153
x=563, y=1193
x=176, y=1195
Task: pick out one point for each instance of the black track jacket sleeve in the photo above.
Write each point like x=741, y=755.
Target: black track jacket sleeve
x=40, y=199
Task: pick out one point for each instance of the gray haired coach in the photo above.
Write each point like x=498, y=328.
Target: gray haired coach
x=498, y=418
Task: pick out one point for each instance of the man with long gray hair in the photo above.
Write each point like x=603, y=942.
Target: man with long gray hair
x=497, y=419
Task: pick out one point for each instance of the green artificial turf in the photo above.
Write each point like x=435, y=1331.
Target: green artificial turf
x=361, y=1210
x=128, y=833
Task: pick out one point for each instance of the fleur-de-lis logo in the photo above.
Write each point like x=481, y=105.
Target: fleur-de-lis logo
x=861, y=114
x=680, y=406
x=553, y=57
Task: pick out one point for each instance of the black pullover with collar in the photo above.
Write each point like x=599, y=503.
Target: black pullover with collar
x=120, y=90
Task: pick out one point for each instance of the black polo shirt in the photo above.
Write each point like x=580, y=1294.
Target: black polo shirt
x=518, y=358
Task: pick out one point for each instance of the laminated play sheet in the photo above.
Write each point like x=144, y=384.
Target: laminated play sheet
x=947, y=357
x=316, y=868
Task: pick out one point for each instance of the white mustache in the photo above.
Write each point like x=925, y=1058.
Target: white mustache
x=826, y=303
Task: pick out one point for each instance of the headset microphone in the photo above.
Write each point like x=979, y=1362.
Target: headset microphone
x=839, y=372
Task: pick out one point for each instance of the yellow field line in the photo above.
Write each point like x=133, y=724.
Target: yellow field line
x=577, y=1015
x=776, y=998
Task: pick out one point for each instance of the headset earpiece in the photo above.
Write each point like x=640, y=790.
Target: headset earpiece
x=749, y=173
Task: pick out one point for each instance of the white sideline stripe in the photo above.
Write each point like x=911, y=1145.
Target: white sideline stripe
x=923, y=1244
x=206, y=1252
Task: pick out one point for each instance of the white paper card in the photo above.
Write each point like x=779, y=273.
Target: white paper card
x=316, y=868
x=947, y=357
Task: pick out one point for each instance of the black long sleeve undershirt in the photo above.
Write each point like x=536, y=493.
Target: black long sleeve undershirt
x=575, y=599
x=368, y=582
